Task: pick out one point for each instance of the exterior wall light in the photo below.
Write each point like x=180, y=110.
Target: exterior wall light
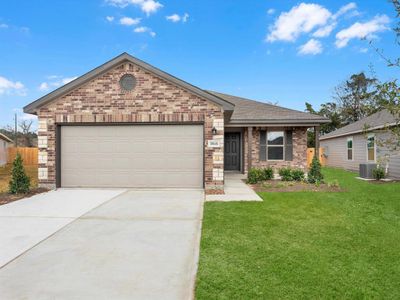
x=214, y=131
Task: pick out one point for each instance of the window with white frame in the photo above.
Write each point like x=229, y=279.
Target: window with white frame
x=371, y=148
x=350, y=148
x=275, y=145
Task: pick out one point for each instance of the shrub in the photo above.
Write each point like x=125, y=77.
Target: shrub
x=286, y=174
x=298, y=175
x=19, y=182
x=314, y=174
x=378, y=173
x=254, y=175
x=334, y=184
x=268, y=173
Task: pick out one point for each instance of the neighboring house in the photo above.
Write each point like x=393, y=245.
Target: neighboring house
x=155, y=130
x=363, y=142
x=5, y=142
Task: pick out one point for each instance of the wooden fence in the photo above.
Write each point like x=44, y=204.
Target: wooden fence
x=29, y=155
x=310, y=155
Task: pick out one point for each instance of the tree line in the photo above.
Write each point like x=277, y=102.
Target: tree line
x=362, y=95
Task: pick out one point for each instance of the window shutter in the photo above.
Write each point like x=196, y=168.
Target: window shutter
x=263, y=145
x=289, y=145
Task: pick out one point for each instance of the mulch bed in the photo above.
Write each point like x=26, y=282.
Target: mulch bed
x=292, y=186
x=7, y=198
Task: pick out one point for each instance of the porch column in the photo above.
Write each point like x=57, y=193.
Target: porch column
x=316, y=131
x=249, y=147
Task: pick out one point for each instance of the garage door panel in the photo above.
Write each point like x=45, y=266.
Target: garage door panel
x=132, y=156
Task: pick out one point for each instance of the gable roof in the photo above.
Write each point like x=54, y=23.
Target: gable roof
x=5, y=138
x=30, y=108
x=377, y=120
x=255, y=112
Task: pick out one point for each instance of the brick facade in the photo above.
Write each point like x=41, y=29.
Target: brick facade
x=153, y=100
x=299, y=150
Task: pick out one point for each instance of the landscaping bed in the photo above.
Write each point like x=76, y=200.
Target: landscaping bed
x=7, y=197
x=294, y=186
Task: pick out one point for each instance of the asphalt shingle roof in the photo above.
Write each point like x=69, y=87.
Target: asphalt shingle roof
x=379, y=119
x=247, y=110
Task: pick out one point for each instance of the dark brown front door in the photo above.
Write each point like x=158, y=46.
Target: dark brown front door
x=232, y=151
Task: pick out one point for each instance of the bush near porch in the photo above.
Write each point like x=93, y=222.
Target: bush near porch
x=304, y=244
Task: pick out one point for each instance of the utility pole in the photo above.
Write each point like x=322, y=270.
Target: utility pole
x=15, y=132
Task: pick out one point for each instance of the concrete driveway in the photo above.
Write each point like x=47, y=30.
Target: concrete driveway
x=139, y=245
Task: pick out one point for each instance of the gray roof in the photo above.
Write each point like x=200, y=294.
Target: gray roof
x=30, y=108
x=5, y=138
x=251, y=111
x=377, y=120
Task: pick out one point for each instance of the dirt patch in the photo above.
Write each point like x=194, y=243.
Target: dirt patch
x=293, y=186
x=7, y=198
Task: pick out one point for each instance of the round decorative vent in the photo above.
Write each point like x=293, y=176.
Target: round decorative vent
x=127, y=82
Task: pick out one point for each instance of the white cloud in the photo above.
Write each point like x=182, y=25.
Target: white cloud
x=312, y=47
x=68, y=79
x=110, y=18
x=344, y=9
x=144, y=29
x=3, y=25
x=150, y=6
x=44, y=86
x=364, y=50
x=129, y=21
x=271, y=11
x=177, y=18
x=56, y=81
x=147, y=6
x=362, y=30
x=173, y=18
x=9, y=87
x=300, y=19
x=324, y=31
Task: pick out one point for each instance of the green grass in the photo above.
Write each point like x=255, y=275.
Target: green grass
x=5, y=176
x=343, y=245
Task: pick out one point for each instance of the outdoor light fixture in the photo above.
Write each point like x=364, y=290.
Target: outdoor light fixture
x=214, y=131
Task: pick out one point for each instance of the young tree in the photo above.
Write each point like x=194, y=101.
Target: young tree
x=20, y=182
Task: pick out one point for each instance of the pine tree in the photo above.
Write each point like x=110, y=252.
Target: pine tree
x=315, y=175
x=19, y=182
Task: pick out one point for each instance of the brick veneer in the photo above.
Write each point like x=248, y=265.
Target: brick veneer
x=299, y=150
x=153, y=100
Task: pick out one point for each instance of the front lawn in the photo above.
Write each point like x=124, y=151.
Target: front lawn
x=304, y=244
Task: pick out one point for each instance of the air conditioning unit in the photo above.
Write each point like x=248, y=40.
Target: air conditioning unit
x=366, y=171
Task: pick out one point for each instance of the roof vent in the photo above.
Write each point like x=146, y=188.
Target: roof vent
x=127, y=82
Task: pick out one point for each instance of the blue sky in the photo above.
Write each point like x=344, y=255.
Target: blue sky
x=286, y=52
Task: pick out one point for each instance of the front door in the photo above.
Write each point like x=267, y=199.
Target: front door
x=232, y=151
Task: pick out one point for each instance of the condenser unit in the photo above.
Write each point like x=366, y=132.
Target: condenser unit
x=366, y=171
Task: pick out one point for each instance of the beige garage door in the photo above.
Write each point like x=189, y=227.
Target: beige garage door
x=132, y=156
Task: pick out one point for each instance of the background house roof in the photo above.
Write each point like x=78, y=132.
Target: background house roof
x=30, y=108
x=377, y=120
x=251, y=111
x=5, y=138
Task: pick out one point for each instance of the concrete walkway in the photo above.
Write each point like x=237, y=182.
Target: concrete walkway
x=26, y=222
x=140, y=245
x=235, y=190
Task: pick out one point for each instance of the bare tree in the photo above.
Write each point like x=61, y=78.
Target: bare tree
x=25, y=127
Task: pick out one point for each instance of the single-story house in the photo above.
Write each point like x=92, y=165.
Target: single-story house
x=5, y=142
x=364, y=142
x=129, y=124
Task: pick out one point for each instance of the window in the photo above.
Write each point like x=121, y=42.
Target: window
x=371, y=148
x=350, y=148
x=275, y=145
